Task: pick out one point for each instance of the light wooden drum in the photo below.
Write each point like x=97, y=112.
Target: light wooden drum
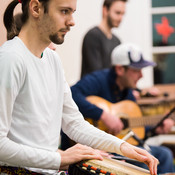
x=156, y=105
x=105, y=167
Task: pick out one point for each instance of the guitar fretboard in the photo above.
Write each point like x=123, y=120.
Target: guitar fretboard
x=146, y=121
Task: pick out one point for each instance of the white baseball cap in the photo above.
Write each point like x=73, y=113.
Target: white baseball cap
x=129, y=55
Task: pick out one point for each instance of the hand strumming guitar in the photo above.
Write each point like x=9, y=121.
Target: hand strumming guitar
x=113, y=123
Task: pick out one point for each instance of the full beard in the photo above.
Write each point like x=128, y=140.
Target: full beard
x=111, y=23
x=56, y=39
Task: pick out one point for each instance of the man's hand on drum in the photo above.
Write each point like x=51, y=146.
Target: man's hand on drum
x=166, y=127
x=141, y=155
x=77, y=153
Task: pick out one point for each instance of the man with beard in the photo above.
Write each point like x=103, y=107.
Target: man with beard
x=36, y=101
x=99, y=41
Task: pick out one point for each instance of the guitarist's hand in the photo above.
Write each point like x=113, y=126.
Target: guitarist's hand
x=165, y=127
x=141, y=155
x=113, y=123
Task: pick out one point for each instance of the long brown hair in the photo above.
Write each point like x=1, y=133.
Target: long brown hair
x=9, y=21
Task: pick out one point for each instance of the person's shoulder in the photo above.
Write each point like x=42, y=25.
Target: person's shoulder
x=93, y=31
x=11, y=50
x=102, y=71
x=9, y=46
x=95, y=78
x=100, y=74
x=51, y=52
x=53, y=57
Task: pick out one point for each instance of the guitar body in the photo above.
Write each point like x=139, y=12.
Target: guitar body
x=123, y=109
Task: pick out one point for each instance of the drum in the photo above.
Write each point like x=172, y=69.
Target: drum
x=156, y=105
x=161, y=104
x=106, y=167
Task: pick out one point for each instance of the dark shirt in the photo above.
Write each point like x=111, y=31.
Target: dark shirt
x=99, y=83
x=96, y=51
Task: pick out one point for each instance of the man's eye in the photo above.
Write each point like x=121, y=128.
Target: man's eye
x=65, y=11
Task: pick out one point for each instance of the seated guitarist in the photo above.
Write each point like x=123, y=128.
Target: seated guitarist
x=114, y=85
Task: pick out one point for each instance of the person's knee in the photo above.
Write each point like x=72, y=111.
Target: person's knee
x=163, y=154
x=165, y=157
x=167, y=153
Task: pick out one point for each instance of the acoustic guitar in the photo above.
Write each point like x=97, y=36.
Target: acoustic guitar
x=130, y=114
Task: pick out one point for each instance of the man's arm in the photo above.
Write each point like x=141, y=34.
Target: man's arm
x=89, y=85
x=91, y=54
x=82, y=132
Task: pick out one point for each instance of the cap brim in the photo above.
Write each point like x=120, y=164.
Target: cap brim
x=142, y=64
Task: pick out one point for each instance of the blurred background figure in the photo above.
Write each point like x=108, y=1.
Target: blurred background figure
x=99, y=41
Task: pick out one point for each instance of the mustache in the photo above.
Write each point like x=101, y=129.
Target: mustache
x=67, y=29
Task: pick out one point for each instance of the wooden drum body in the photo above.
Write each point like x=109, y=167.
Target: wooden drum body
x=161, y=104
x=106, y=167
x=156, y=105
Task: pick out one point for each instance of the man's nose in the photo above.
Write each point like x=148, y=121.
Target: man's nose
x=140, y=73
x=70, y=21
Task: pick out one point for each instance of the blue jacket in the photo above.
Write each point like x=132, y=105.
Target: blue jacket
x=99, y=83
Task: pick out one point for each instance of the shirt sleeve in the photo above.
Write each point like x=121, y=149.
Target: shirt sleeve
x=130, y=95
x=12, y=77
x=79, y=130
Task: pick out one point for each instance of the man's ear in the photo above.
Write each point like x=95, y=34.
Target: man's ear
x=105, y=11
x=35, y=8
x=119, y=70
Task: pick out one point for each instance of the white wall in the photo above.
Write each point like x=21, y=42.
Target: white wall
x=135, y=28
x=87, y=15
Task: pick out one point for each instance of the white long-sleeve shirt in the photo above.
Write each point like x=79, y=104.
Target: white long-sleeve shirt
x=35, y=103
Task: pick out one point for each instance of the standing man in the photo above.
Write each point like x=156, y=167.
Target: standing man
x=35, y=99
x=114, y=85
x=99, y=42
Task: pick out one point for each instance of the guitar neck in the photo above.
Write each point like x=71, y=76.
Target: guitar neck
x=145, y=121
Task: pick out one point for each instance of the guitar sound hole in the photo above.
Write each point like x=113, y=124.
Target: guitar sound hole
x=125, y=122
